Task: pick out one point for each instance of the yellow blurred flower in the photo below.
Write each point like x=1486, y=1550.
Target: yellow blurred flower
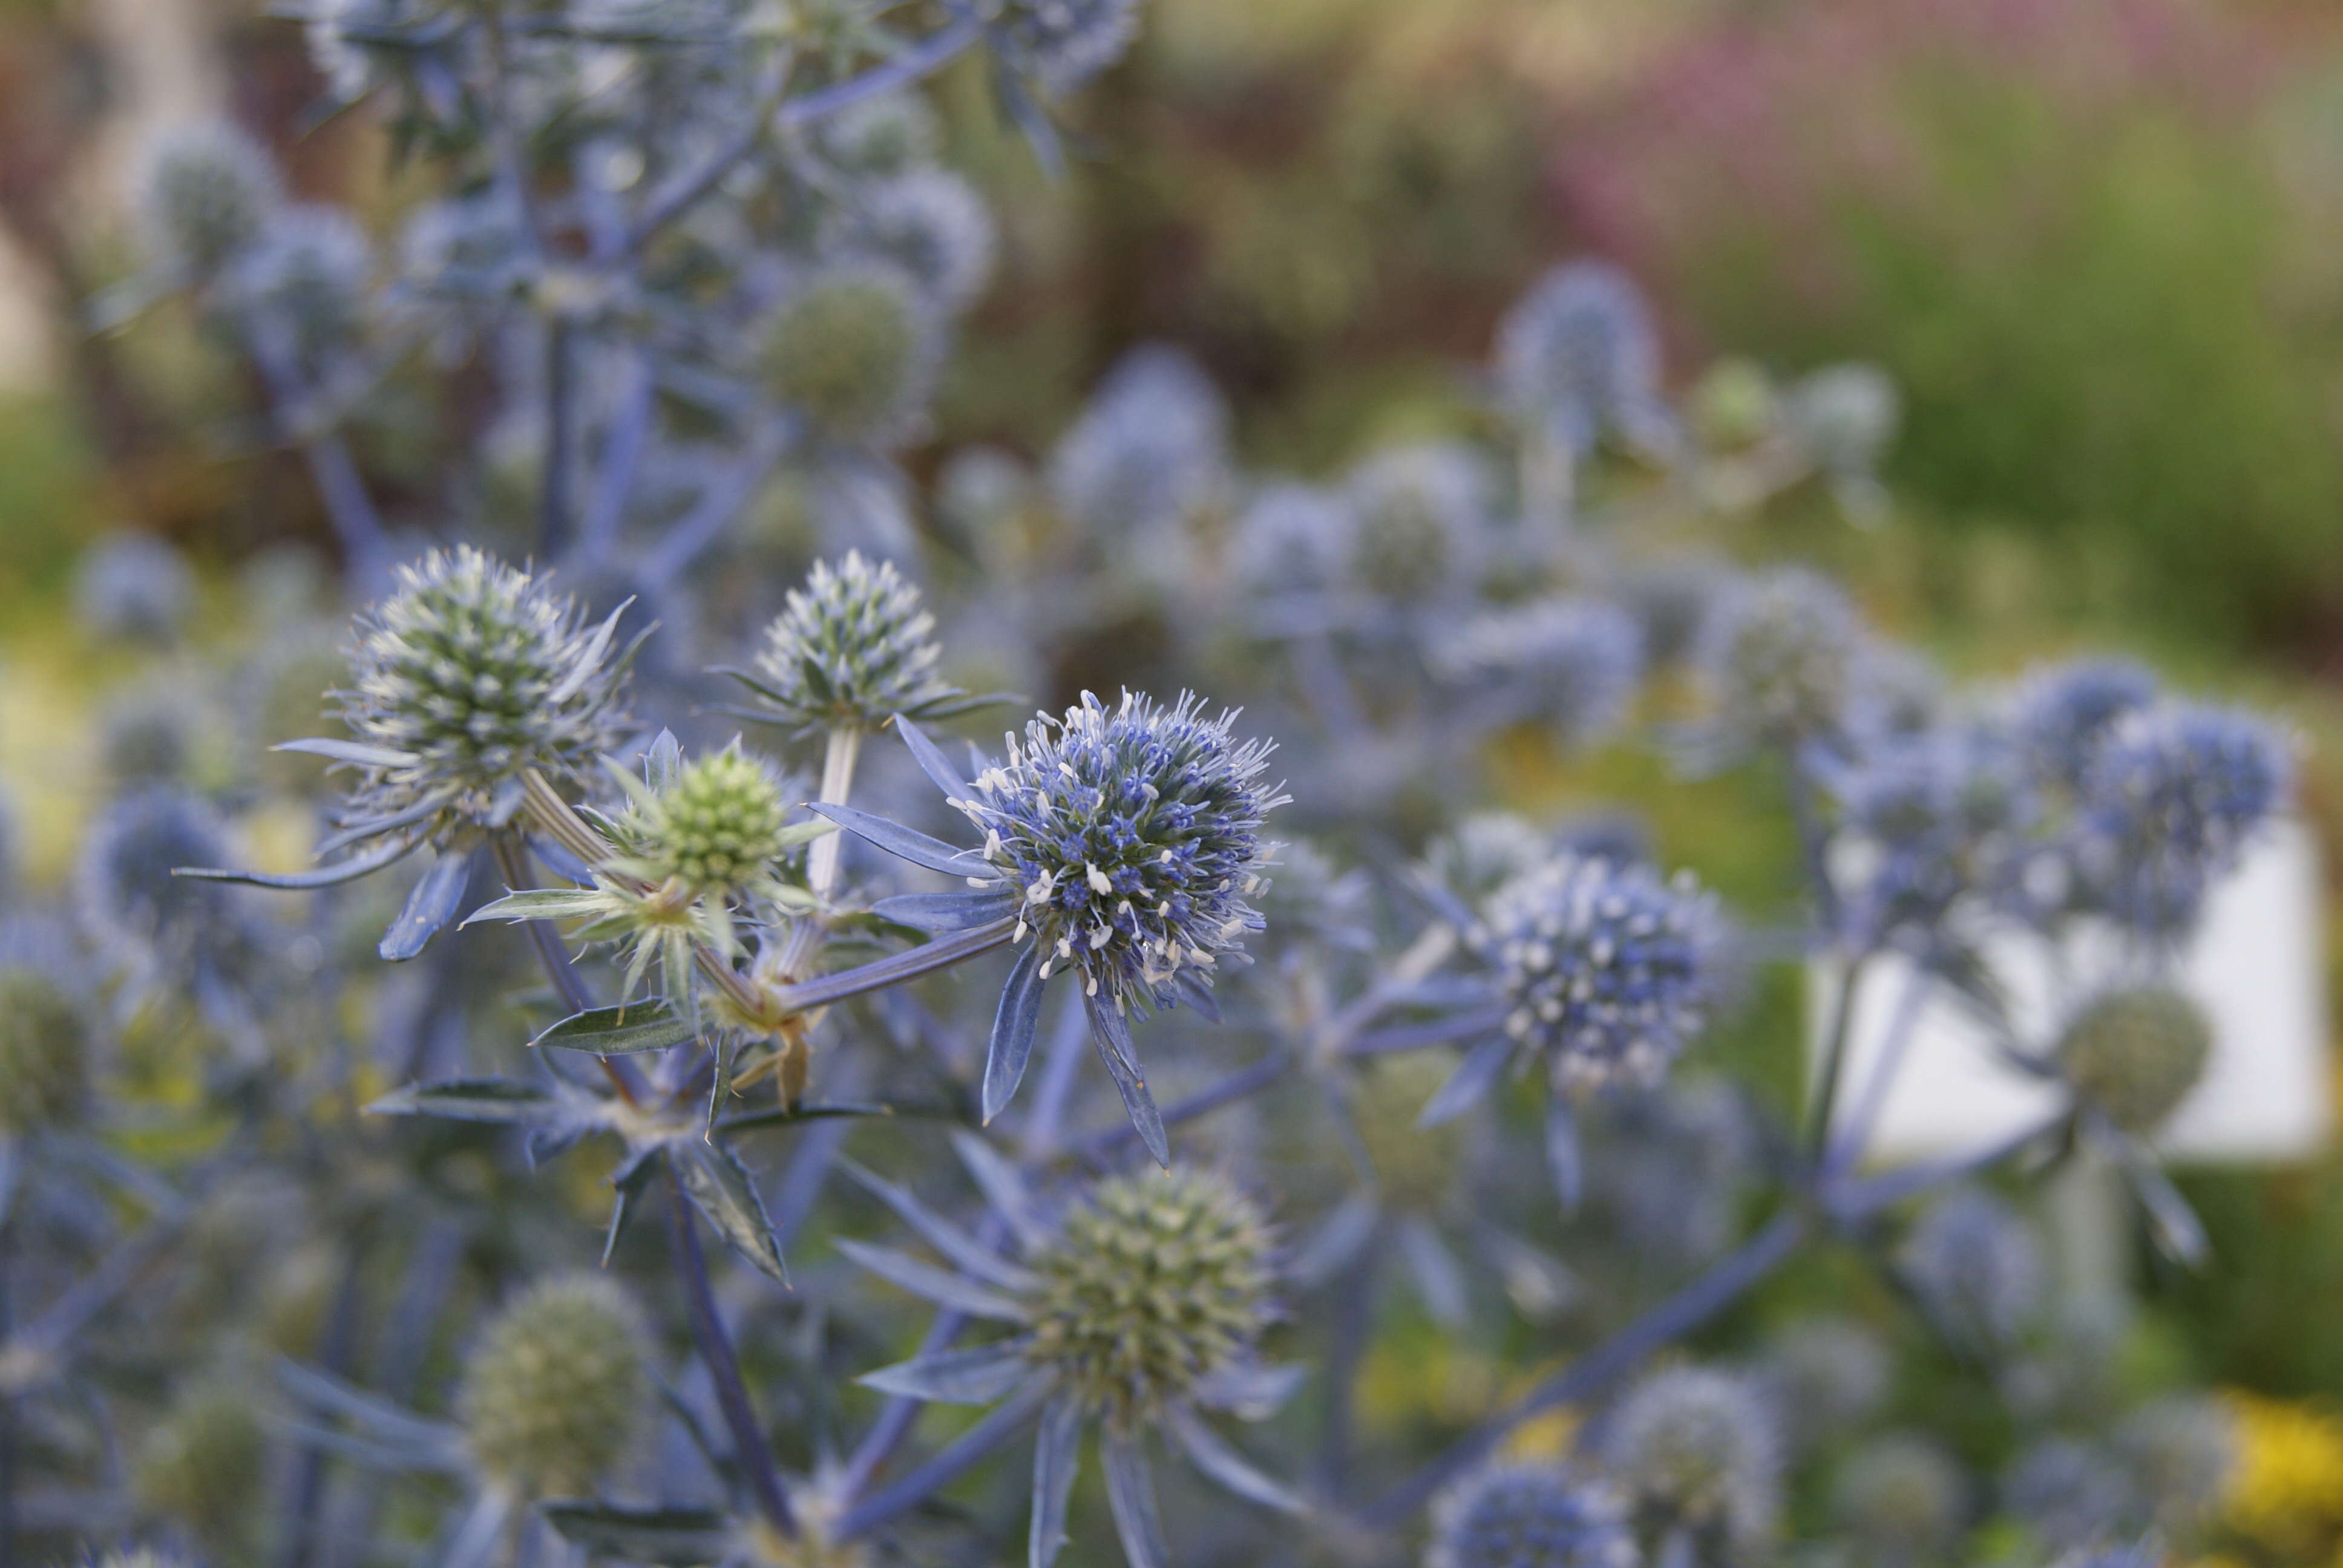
x=2288, y=1493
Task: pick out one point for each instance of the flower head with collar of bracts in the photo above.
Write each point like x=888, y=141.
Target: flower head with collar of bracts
x=1137, y=1303
x=1120, y=845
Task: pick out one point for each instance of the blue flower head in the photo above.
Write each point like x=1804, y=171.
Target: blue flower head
x=1779, y=656
x=1531, y=1515
x=1606, y=970
x=1578, y=358
x=1571, y=664
x=1150, y=450
x=2167, y=805
x=2062, y=714
x=1927, y=822
x=1977, y=1264
x=1132, y=835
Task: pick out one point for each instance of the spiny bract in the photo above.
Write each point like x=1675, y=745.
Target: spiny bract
x=477, y=673
x=1606, y=970
x=1152, y=1284
x=1535, y=1515
x=553, y=1390
x=1134, y=834
x=855, y=646
x=2137, y=1053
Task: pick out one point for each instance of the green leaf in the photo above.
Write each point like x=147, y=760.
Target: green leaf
x=722, y=1190
x=621, y=1030
x=663, y=1536
x=472, y=1100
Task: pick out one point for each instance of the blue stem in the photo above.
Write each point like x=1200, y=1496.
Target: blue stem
x=748, y=1442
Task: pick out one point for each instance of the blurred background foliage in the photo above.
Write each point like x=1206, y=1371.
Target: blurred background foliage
x=2095, y=242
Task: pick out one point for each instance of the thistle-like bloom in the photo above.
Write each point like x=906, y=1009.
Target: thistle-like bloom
x=2182, y=1452
x=1899, y=1498
x=1137, y=1306
x=555, y=1390
x=1606, y=970
x=1133, y=838
x=1423, y=521
x=2169, y=804
x=932, y=225
x=1778, y=656
x=205, y=192
x=1976, y=1265
x=1290, y=538
x=45, y=1043
x=134, y=587
x=1696, y=1446
x=717, y=826
x=1578, y=358
x=1825, y=1376
x=1925, y=823
x=1062, y=43
x=1845, y=415
x=132, y=903
x=304, y=280
x=468, y=676
x=854, y=350
x=1531, y=1515
x=1148, y=452
x=851, y=648
x=205, y=1463
x=2060, y=716
x=1120, y=845
x=2071, y=1494
x=1572, y=665
x=2136, y=1054
x=1601, y=974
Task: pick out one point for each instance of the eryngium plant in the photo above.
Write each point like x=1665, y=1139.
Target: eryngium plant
x=692, y=269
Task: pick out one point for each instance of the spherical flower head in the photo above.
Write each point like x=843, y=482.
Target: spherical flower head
x=307, y=277
x=1924, y=822
x=1150, y=450
x=1825, y=1376
x=1577, y=356
x=2169, y=804
x=1572, y=664
x=853, y=349
x=931, y=224
x=132, y=587
x=1290, y=538
x=1697, y=1445
x=1415, y=1167
x=2137, y=1054
x=1977, y=1264
x=854, y=646
x=554, y=1391
x=151, y=734
x=126, y=894
x=1133, y=834
x=44, y=1050
x=1778, y=656
x=2071, y=1494
x=1672, y=598
x=1423, y=521
x=1531, y=1515
x=1846, y=415
x=716, y=826
x=2062, y=714
x=892, y=133
x=1485, y=850
x=1152, y=1285
x=205, y=1463
x=2182, y=1452
x=205, y=192
x=478, y=672
x=1900, y=1497
x=1606, y=970
x=1062, y=43
x=1734, y=404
